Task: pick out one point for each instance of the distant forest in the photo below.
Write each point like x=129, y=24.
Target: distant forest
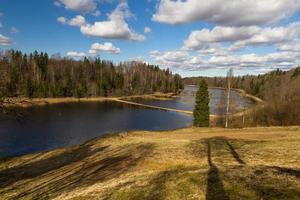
x=37, y=75
x=280, y=89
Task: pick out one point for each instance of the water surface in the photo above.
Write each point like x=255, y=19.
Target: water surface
x=186, y=101
x=61, y=125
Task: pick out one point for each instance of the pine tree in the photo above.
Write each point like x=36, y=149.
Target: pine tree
x=201, y=111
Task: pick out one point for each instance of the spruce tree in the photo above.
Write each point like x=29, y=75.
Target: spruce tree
x=201, y=111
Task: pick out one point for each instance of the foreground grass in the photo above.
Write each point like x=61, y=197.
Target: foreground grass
x=254, y=163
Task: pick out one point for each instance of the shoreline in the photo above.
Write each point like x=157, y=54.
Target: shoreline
x=125, y=134
x=25, y=102
x=243, y=93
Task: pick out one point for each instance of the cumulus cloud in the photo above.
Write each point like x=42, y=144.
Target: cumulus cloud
x=106, y=47
x=82, y=6
x=75, y=54
x=182, y=60
x=241, y=36
x=170, y=59
x=115, y=27
x=147, y=29
x=169, y=56
x=138, y=59
x=289, y=47
x=76, y=21
x=5, y=40
x=278, y=59
x=233, y=12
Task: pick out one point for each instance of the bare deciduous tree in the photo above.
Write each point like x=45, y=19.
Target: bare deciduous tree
x=229, y=78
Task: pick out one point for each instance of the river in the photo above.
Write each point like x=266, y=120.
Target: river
x=60, y=125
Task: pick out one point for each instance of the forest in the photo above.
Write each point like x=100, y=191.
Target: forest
x=279, y=89
x=36, y=75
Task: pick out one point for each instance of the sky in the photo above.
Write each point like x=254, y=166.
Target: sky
x=190, y=37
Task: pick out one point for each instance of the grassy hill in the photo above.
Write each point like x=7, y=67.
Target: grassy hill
x=191, y=163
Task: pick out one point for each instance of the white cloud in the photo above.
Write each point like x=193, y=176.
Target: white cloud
x=241, y=36
x=272, y=60
x=181, y=60
x=147, y=29
x=233, y=12
x=82, y=6
x=57, y=3
x=106, y=47
x=76, y=21
x=5, y=40
x=114, y=28
x=169, y=59
x=290, y=47
x=273, y=35
x=169, y=56
x=75, y=54
x=62, y=20
x=138, y=59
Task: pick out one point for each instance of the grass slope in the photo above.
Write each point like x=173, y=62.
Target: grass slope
x=191, y=163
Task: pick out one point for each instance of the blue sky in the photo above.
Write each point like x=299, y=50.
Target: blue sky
x=192, y=37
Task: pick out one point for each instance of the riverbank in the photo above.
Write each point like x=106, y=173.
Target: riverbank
x=243, y=93
x=26, y=102
x=190, y=163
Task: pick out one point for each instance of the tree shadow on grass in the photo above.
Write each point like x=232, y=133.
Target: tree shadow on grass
x=234, y=153
x=43, y=166
x=215, y=188
x=289, y=171
x=268, y=182
x=224, y=142
x=265, y=181
x=87, y=172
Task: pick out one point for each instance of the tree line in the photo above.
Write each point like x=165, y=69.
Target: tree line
x=37, y=75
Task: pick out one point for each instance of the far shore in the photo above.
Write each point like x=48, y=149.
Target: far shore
x=24, y=102
x=27, y=102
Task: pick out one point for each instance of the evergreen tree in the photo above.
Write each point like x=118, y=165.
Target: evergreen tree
x=52, y=77
x=201, y=111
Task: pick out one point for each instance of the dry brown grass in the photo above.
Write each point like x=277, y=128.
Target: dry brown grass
x=191, y=163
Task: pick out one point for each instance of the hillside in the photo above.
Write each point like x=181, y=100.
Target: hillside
x=191, y=163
